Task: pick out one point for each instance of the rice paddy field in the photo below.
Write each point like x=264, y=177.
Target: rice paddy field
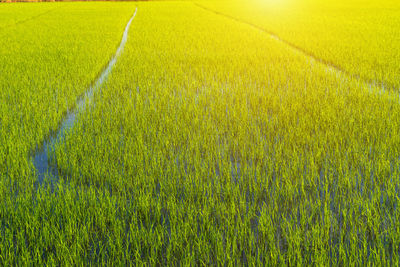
x=200, y=133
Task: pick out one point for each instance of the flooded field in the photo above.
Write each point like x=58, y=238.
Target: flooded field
x=206, y=133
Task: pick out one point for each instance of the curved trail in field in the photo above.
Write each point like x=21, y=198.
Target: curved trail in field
x=40, y=157
x=373, y=86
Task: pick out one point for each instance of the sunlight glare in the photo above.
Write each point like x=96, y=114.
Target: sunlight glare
x=273, y=3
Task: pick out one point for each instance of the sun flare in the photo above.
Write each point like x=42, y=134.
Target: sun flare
x=273, y=3
x=200, y=132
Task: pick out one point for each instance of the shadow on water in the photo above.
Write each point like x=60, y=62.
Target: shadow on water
x=40, y=158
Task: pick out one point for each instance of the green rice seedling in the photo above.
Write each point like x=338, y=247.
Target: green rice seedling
x=15, y=14
x=46, y=63
x=359, y=37
x=210, y=144
x=252, y=152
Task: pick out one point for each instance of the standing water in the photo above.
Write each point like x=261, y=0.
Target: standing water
x=41, y=157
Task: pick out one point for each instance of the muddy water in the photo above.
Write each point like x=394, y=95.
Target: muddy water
x=40, y=158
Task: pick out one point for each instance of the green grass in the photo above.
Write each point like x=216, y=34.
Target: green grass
x=211, y=143
x=12, y=15
x=359, y=36
x=47, y=62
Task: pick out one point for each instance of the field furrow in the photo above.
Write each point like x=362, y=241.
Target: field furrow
x=46, y=64
x=41, y=158
x=374, y=85
x=241, y=133
x=223, y=132
x=359, y=37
